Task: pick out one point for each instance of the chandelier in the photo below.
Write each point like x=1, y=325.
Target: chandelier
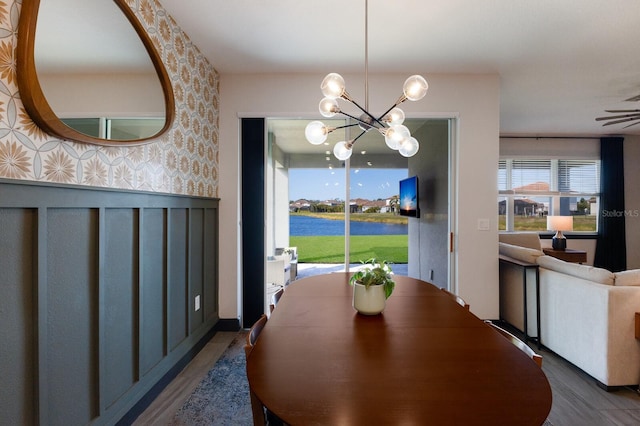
x=389, y=124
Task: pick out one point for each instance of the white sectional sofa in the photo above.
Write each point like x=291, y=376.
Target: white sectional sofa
x=587, y=314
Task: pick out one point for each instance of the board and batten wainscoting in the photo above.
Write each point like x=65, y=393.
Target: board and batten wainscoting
x=98, y=296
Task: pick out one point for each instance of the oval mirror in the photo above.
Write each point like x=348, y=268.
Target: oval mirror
x=88, y=72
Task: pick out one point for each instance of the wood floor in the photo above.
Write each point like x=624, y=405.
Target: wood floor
x=163, y=408
x=577, y=400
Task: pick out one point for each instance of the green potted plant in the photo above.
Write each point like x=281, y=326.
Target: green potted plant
x=372, y=285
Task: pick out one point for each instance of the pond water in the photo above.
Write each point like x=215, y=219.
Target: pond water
x=304, y=226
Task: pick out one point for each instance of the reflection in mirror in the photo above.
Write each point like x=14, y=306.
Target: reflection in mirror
x=88, y=72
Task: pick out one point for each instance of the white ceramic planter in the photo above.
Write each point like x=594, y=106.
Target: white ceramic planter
x=368, y=301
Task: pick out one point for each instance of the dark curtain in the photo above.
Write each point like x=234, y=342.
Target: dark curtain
x=253, y=242
x=611, y=247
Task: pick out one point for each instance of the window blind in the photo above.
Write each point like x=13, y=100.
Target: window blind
x=546, y=175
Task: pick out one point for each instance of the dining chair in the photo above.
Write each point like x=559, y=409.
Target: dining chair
x=275, y=298
x=457, y=298
x=257, y=409
x=518, y=343
x=261, y=415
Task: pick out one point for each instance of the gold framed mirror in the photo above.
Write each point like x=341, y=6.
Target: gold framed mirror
x=39, y=107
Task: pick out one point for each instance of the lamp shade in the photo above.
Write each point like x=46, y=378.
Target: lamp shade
x=560, y=223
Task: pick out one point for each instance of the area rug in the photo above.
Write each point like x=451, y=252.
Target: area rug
x=222, y=397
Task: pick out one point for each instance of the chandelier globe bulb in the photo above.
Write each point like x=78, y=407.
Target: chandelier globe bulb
x=328, y=107
x=415, y=87
x=395, y=134
x=316, y=132
x=395, y=116
x=333, y=86
x=409, y=147
x=342, y=150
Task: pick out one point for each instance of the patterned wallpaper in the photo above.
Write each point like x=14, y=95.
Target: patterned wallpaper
x=183, y=161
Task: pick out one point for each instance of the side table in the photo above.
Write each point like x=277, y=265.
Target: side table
x=568, y=255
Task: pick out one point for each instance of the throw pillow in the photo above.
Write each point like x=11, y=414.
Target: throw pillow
x=520, y=253
x=524, y=239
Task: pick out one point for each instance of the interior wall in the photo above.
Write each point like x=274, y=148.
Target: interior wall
x=632, y=199
x=95, y=95
x=473, y=99
x=428, y=234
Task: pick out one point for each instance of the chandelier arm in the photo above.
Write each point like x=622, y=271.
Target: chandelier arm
x=362, y=121
x=387, y=111
x=345, y=126
x=377, y=120
x=358, y=137
x=400, y=100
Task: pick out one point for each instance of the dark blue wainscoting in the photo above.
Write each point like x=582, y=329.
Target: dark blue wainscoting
x=97, y=297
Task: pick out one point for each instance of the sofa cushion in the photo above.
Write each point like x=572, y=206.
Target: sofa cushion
x=591, y=273
x=523, y=239
x=628, y=278
x=523, y=254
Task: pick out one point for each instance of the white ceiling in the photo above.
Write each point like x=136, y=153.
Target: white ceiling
x=561, y=63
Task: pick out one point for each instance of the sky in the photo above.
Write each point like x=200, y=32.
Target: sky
x=328, y=184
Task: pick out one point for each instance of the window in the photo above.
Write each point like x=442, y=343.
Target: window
x=133, y=128
x=531, y=189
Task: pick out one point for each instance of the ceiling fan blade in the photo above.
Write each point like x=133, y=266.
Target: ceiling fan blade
x=633, y=99
x=632, y=124
x=622, y=110
x=613, y=117
x=621, y=121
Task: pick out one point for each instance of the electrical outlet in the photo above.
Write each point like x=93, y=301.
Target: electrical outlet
x=197, y=303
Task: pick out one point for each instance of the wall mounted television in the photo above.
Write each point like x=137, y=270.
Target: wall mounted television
x=409, y=197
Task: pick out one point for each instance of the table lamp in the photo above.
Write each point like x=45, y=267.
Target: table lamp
x=559, y=224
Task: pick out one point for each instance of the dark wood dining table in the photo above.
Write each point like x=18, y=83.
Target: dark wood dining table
x=424, y=360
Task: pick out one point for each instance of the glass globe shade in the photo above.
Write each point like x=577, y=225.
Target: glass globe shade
x=332, y=86
x=316, y=132
x=409, y=147
x=342, y=151
x=395, y=134
x=395, y=116
x=415, y=87
x=328, y=107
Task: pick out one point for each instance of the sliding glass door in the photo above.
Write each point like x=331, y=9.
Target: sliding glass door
x=335, y=214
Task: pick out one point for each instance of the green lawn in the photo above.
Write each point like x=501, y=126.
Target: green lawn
x=539, y=223
x=330, y=249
